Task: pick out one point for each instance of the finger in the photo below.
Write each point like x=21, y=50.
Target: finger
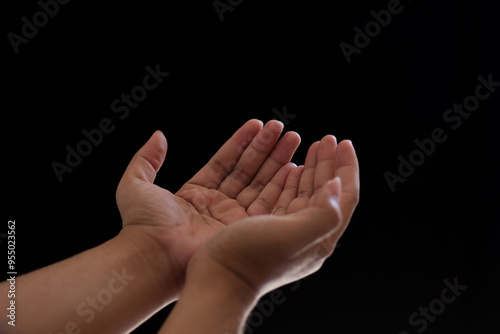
x=289, y=192
x=347, y=169
x=325, y=167
x=309, y=226
x=279, y=157
x=268, y=197
x=147, y=161
x=306, y=186
x=324, y=240
x=221, y=164
x=251, y=160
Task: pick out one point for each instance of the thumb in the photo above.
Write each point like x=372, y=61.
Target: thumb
x=147, y=161
x=322, y=218
x=329, y=195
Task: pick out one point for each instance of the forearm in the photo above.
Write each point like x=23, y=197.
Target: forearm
x=108, y=289
x=211, y=303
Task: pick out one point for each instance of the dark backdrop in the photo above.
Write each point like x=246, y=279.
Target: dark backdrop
x=261, y=61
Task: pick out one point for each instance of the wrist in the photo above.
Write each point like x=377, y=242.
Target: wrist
x=211, y=275
x=213, y=300
x=167, y=278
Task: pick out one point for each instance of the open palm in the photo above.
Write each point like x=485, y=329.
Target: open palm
x=267, y=251
x=244, y=178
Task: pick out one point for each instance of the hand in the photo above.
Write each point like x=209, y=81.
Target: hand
x=268, y=251
x=244, y=178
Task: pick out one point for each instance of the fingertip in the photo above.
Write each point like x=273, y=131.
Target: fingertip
x=255, y=121
x=348, y=143
x=329, y=138
x=275, y=125
x=346, y=154
x=293, y=137
x=160, y=140
x=154, y=152
x=161, y=135
x=293, y=134
x=252, y=126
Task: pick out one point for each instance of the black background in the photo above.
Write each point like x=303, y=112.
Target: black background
x=441, y=223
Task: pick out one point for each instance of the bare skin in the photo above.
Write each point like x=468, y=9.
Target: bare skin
x=116, y=286
x=261, y=253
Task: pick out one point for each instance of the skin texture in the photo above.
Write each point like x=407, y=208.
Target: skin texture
x=212, y=238
x=258, y=254
x=244, y=178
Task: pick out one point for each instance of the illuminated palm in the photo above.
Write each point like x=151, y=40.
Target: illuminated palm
x=250, y=175
x=244, y=178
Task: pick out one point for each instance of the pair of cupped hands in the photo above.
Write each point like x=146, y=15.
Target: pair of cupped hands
x=249, y=212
